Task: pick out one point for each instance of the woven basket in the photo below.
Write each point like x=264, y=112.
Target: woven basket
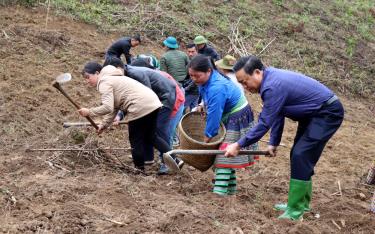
x=191, y=133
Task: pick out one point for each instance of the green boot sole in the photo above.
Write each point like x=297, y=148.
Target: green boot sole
x=295, y=216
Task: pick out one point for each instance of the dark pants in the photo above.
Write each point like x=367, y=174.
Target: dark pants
x=311, y=137
x=191, y=101
x=142, y=136
x=162, y=134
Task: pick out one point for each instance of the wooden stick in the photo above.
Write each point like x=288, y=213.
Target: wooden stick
x=51, y=164
x=57, y=85
x=340, y=193
x=48, y=6
x=113, y=221
x=336, y=224
x=5, y=34
x=213, y=152
x=266, y=47
x=60, y=149
x=281, y=144
x=82, y=124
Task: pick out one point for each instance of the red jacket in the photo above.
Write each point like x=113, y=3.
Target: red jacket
x=180, y=97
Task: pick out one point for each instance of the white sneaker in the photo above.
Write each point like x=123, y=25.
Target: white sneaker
x=149, y=162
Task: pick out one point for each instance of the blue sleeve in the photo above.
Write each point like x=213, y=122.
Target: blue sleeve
x=277, y=130
x=215, y=109
x=274, y=100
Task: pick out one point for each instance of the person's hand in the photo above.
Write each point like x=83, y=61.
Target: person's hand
x=116, y=121
x=84, y=112
x=100, y=129
x=200, y=109
x=207, y=139
x=232, y=150
x=272, y=150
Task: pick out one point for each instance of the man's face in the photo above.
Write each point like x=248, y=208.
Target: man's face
x=134, y=43
x=250, y=82
x=200, y=46
x=192, y=52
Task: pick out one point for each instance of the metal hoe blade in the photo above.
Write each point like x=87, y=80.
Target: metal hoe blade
x=170, y=162
x=63, y=78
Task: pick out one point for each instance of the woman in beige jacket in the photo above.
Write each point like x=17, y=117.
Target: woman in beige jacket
x=139, y=103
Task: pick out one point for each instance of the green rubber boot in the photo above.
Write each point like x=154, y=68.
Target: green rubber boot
x=308, y=196
x=283, y=206
x=296, y=199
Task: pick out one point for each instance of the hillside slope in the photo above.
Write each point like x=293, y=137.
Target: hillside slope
x=333, y=41
x=74, y=192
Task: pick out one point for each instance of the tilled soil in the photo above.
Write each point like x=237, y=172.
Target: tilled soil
x=92, y=192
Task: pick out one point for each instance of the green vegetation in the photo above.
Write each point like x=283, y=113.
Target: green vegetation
x=332, y=41
x=351, y=43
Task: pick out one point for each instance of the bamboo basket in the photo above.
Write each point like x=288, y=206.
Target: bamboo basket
x=191, y=134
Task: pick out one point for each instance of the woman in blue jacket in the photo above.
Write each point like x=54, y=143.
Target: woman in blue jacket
x=224, y=102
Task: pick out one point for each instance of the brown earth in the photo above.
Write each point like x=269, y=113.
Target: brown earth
x=52, y=192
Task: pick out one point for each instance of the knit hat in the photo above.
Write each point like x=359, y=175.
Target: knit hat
x=200, y=40
x=171, y=42
x=226, y=63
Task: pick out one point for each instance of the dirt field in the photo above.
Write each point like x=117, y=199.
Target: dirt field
x=70, y=192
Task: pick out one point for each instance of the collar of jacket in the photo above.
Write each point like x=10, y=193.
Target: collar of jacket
x=265, y=75
x=213, y=76
x=108, y=71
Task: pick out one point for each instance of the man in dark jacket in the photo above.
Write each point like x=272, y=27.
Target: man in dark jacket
x=164, y=88
x=123, y=46
x=191, y=89
x=289, y=94
x=203, y=48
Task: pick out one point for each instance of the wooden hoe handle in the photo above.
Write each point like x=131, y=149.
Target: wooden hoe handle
x=58, y=87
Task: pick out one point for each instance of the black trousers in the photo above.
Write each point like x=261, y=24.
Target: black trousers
x=142, y=137
x=311, y=137
x=162, y=134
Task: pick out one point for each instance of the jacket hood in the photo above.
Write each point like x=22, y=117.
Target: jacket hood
x=110, y=71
